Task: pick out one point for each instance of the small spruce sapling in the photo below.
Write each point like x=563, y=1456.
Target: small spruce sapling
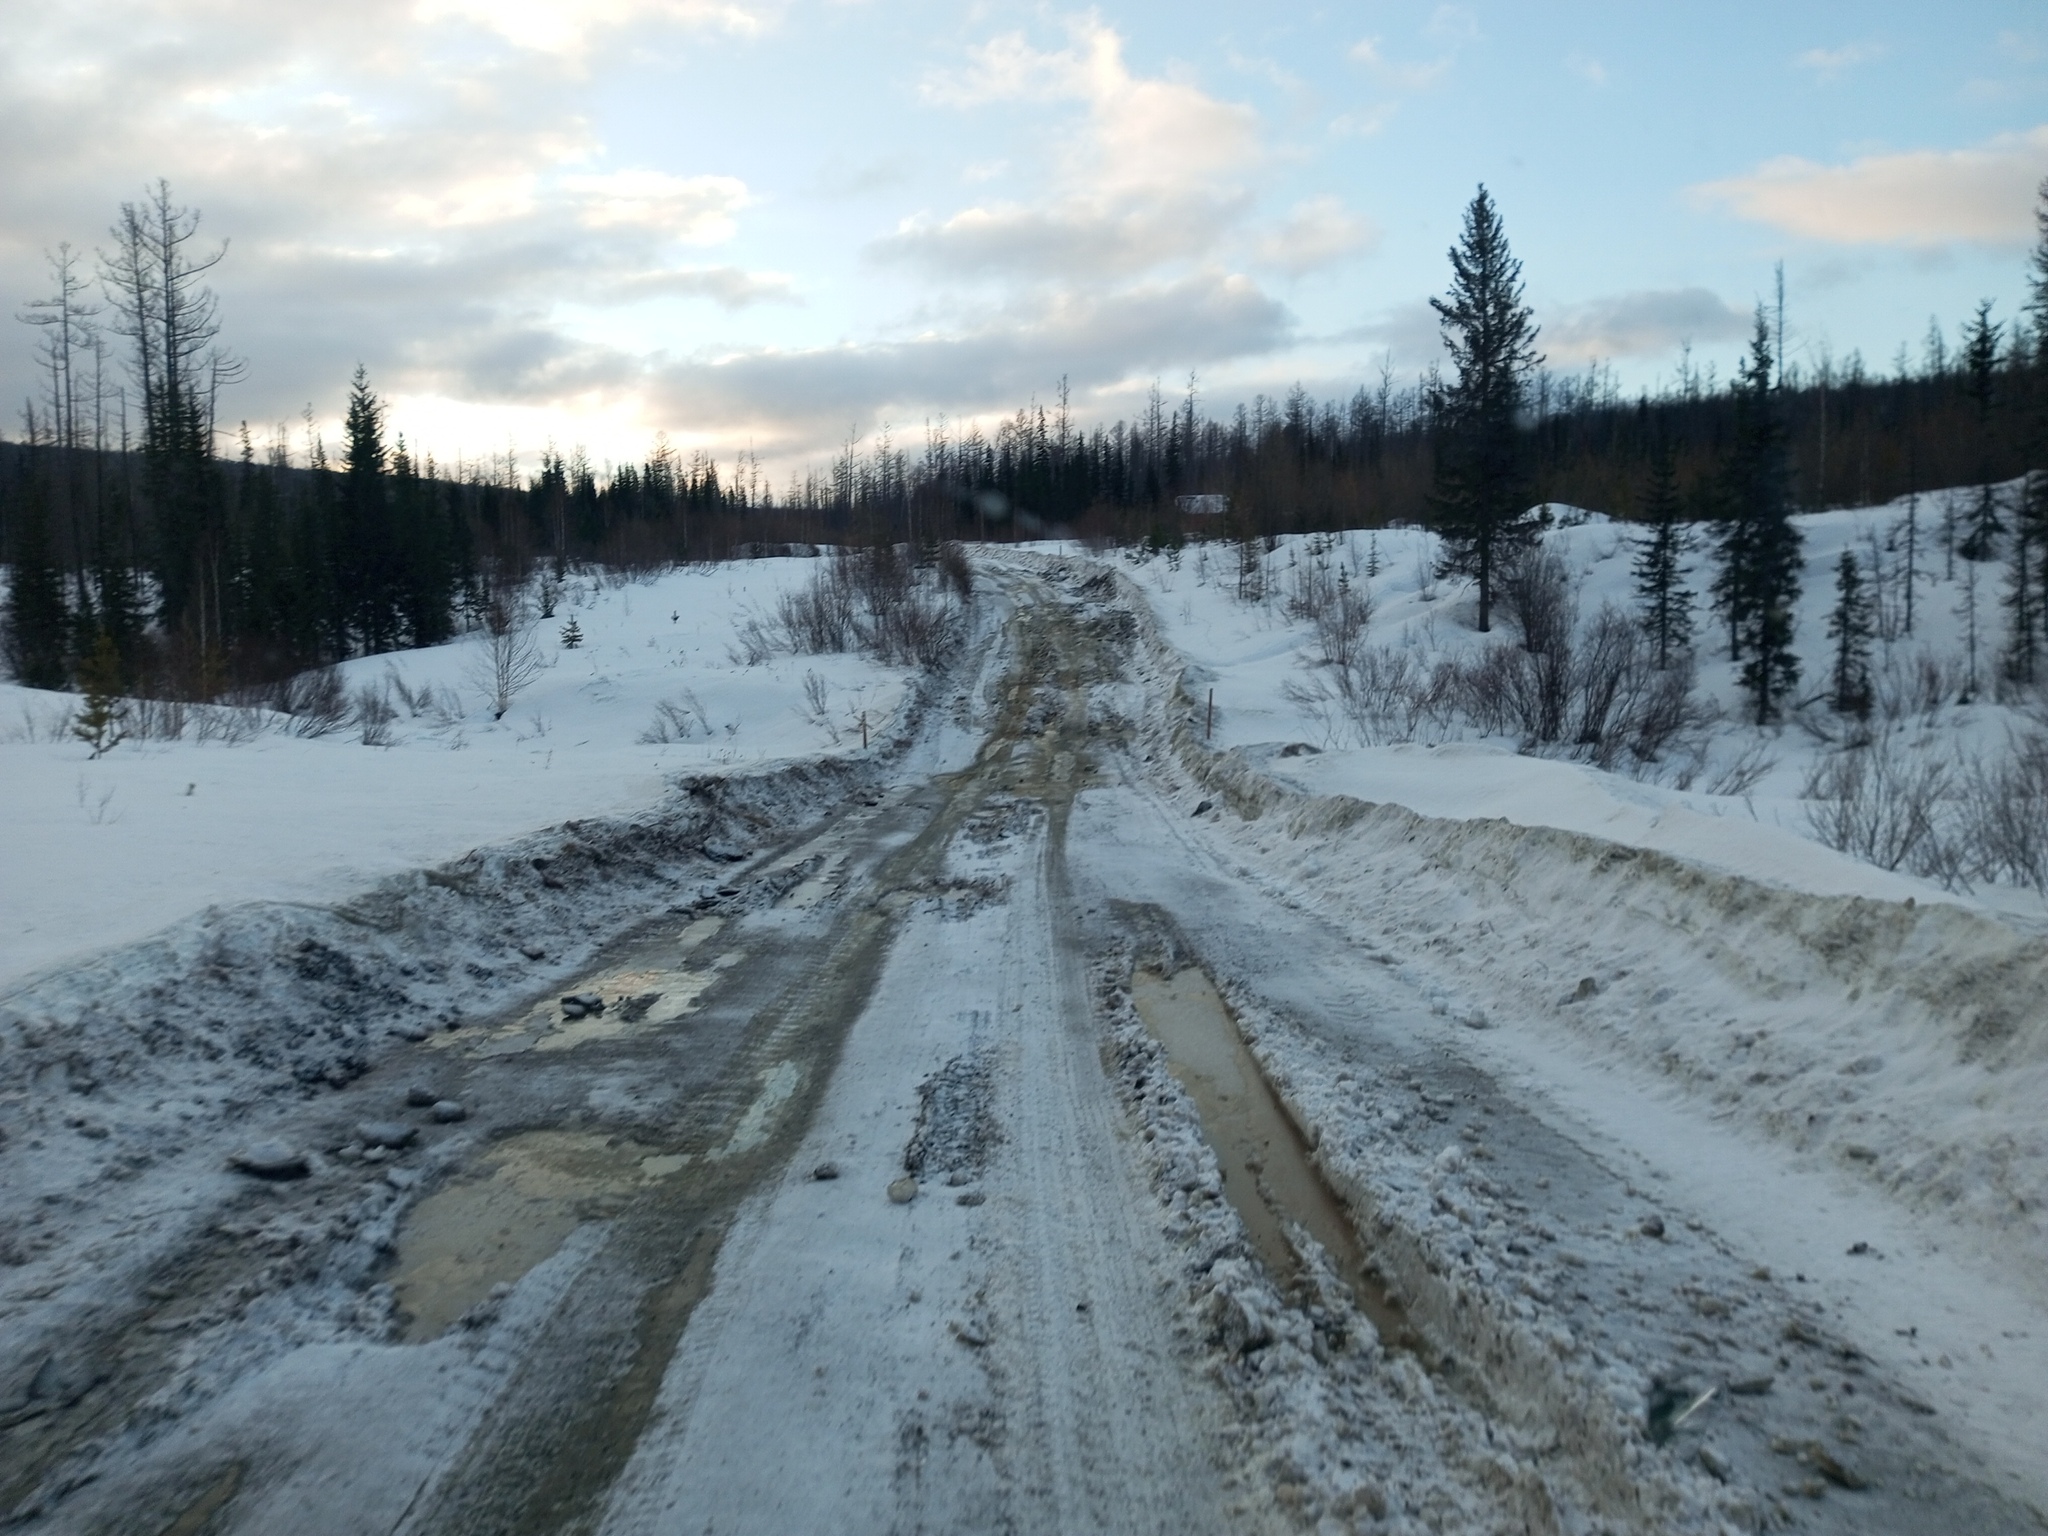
x=572, y=634
x=103, y=718
x=1849, y=628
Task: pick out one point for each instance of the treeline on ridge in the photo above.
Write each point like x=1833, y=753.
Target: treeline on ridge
x=206, y=571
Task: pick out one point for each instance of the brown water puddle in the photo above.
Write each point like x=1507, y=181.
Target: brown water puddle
x=463, y=1239
x=1268, y=1175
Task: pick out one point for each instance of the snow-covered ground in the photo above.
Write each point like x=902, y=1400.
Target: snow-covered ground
x=1260, y=663
x=1640, y=1101
x=108, y=851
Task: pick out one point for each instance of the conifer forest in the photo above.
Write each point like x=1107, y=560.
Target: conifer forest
x=219, y=555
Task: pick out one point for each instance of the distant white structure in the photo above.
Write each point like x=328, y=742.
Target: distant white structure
x=1209, y=504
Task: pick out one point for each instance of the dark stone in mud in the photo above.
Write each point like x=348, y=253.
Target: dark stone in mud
x=579, y=1004
x=724, y=853
x=972, y=1197
x=420, y=1096
x=269, y=1160
x=1202, y=808
x=387, y=1133
x=825, y=1171
x=533, y=952
x=1588, y=987
x=1653, y=1226
x=448, y=1111
x=1300, y=749
x=413, y=1032
x=63, y=1381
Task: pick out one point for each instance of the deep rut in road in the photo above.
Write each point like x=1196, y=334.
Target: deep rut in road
x=1269, y=1172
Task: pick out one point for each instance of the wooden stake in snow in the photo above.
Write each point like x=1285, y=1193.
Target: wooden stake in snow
x=1209, y=729
x=863, y=730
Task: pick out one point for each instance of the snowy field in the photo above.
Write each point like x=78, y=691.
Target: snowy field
x=1726, y=795
x=106, y=852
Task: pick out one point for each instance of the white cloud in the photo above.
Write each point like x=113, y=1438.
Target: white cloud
x=1081, y=239
x=1647, y=323
x=567, y=27
x=1919, y=198
x=1150, y=175
x=697, y=210
x=1363, y=124
x=1828, y=64
x=800, y=399
x=2021, y=47
x=1141, y=132
x=1370, y=52
x=1411, y=333
x=1451, y=27
x=730, y=288
x=1587, y=68
x=1454, y=25
x=1317, y=233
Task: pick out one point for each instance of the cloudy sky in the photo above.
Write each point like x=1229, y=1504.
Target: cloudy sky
x=769, y=222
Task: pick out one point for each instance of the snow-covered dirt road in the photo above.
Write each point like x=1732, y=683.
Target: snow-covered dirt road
x=914, y=1176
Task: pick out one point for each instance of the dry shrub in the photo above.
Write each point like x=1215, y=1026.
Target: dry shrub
x=1882, y=803
x=872, y=600
x=317, y=701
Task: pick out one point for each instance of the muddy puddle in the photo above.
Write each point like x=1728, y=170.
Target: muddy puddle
x=1268, y=1176
x=491, y=1227
x=520, y=1201
x=659, y=985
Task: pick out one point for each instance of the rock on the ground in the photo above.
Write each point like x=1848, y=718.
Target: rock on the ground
x=825, y=1171
x=903, y=1191
x=448, y=1111
x=387, y=1133
x=269, y=1160
x=419, y=1096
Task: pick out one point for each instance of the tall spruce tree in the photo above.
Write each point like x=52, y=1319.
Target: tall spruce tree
x=2026, y=592
x=1660, y=557
x=1849, y=628
x=366, y=576
x=38, y=621
x=1981, y=524
x=1480, y=502
x=1758, y=582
